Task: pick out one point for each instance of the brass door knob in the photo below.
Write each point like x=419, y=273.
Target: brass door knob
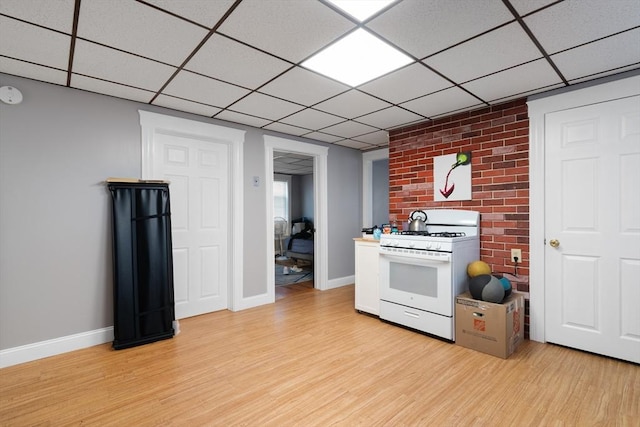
x=554, y=243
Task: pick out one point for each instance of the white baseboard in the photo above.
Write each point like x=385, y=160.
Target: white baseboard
x=42, y=349
x=251, y=302
x=341, y=281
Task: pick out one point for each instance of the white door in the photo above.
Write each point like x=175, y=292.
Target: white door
x=199, y=174
x=592, y=228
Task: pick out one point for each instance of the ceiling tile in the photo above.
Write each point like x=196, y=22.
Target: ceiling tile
x=235, y=63
x=285, y=128
x=312, y=119
x=349, y=129
x=303, y=86
x=292, y=163
x=98, y=61
x=505, y=47
x=291, y=170
x=57, y=15
x=447, y=100
x=380, y=137
x=603, y=55
x=539, y=75
x=232, y=116
x=352, y=104
x=204, y=12
x=423, y=28
x=405, y=84
x=570, y=23
x=526, y=94
x=524, y=7
x=321, y=136
x=291, y=30
x=112, y=89
x=292, y=157
x=268, y=107
x=162, y=37
x=205, y=90
x=389, y=118
x=354, y=144
x=19, y=40
x=603, y=74
x=32, y=71
x=188, y=106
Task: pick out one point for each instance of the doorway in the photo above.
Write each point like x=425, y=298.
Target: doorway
x=293, y=219
x=282, y=148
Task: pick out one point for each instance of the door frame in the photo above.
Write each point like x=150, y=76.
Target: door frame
x=152, y=123
x=320, y=249
x=615, y=87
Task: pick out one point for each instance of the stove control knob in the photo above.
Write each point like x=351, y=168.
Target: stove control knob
x=438, y=245
x=395, y=243
x=428, y=245
x=412, y=245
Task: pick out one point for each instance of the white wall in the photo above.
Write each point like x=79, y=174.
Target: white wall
x=56, y=149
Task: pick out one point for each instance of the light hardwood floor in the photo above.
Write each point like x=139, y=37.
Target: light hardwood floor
x=311, y=360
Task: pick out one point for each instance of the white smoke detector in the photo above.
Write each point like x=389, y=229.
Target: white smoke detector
x=10, y=95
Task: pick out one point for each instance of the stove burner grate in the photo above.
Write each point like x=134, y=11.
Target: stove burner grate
x=449, y=234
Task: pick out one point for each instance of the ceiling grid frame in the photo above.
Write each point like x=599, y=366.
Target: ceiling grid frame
x=264, y=31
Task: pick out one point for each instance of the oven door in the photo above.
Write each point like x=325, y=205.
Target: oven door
x=420, y=282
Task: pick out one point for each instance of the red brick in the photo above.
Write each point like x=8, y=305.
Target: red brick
x=498, y=138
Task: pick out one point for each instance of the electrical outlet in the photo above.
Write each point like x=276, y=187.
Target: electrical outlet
x=516, y=253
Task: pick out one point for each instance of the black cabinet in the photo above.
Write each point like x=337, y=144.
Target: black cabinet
x=143, y=263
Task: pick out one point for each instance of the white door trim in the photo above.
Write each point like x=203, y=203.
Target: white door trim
x=538, y=108
x=152, y=123
x=320, y=249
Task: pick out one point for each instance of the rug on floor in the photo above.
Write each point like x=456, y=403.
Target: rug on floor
x=293, y=277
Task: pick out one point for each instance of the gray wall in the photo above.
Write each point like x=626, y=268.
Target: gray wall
x=56, y=149
x=345, y=212
x=296, y=197
x=302, y=196
x=380, y=196
x=306, y=196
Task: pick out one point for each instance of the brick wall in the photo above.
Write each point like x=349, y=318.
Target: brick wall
x=498, y=138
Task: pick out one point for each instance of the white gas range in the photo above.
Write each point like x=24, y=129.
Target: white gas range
x=421, y=273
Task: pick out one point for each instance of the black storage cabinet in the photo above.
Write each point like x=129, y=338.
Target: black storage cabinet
x=143, y=263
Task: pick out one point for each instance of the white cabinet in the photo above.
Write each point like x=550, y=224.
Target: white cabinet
x=367, y=293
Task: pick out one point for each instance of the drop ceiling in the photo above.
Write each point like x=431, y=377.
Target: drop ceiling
x=239, y=61
x=292, y=163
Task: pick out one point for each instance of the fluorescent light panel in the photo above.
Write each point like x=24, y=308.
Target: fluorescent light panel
x=357, y=59
x=361, y=9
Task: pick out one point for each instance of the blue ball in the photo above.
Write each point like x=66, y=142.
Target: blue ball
x=506, y=284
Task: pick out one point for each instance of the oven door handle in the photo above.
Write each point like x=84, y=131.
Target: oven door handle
x=441, y=257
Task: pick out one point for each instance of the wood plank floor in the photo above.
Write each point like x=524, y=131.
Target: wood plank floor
x=311, y=360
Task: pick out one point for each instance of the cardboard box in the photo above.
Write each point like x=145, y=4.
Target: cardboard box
x=496, y=329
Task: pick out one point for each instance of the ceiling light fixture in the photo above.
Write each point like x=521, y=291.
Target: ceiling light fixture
x=357, y=59
x=361, y=9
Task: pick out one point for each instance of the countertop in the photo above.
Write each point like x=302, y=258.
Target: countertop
x=362, y=239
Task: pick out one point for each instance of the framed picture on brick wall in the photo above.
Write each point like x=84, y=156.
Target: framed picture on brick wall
x=452, y=177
